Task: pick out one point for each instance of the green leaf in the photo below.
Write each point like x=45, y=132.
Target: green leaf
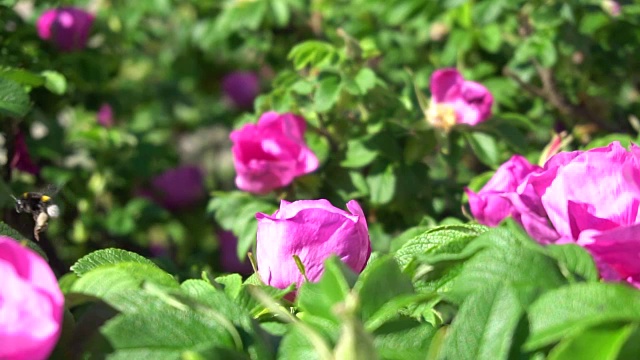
x=485, y=147
x=592, y=22
x=107, y=257
x=575, y=262
x=400, y=305
x=66, y=281
x=483, y=327
x=23, y=77
x=508, y=256
x=537, y=47
x=366, y=80
x=107, y=280
x=296, y=345
x=241, y=15
x=602, y=342
x=490, y=37
x=381, y=282
x=14, y=100
x=327, y=93
x=318, y=299
x=359, y=153
x=252, y=305
x=440, y=240
x=312, y=53
x=236, y=211
x=458, y=43
x=161, y=331
x=222, y=305
x=571, y=309
x=486, y=12
x=403, y=338
x=280, y=12
x=382, y=183
x=55, y=82
x=420, y=145
x=302, y=87
x=231, y=284
x=6, y=230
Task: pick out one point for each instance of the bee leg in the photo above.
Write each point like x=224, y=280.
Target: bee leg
x=41, y=224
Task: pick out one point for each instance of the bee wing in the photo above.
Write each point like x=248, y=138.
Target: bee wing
x=50, y=190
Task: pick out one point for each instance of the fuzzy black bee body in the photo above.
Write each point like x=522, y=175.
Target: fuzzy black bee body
x=39, y=205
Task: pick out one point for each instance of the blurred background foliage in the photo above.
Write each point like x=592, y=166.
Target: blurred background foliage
x=358, y=71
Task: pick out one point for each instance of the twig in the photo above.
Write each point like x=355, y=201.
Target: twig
x=549, y=90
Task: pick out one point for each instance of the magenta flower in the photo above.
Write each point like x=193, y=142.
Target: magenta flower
x=591, y=198
x=492, y=204
x=31, y=304
x=457, y=101
x=67, y=27
x=176, y=188
x=270, y=154
x=228, y=255
x=241, y=87
x=21, y=159
x=613, y=8
x=105, y=115
x=313, y=230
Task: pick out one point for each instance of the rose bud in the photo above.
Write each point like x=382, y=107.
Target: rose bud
x=313, y=230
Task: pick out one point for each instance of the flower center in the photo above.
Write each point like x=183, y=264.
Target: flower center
x=442, y=116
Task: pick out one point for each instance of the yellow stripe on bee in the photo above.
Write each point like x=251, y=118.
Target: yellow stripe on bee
x=25, y=195
x=45, y=198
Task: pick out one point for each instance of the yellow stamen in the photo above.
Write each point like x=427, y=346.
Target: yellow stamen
x=441, y=116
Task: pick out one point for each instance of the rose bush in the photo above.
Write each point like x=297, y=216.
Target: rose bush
x=591, y=198
x=180, y=76
x=21, y=159
x=270, y=154
x=105, y=115
x=176, y=188
x=313, y=230
x=31, y=304
x=67, y=27
x=241, y=87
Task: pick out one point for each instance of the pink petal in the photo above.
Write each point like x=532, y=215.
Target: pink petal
x=445, y=84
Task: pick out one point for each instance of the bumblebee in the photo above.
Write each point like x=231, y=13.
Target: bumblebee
x=39, y=205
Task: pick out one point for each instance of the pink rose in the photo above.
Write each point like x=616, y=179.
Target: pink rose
x=313, y=230
x=591, y=198
x=176, y=188
x=105, y=115
x=492, y=204
x=21, y=159
x=457, y=101
x=270, y=154
x=67, y=27
x=241, y=87
x=31, y=304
